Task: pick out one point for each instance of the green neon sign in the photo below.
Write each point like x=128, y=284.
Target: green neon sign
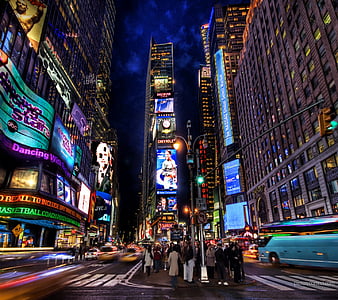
x=25, y=211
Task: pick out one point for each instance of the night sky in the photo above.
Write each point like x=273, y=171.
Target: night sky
x=176, y=21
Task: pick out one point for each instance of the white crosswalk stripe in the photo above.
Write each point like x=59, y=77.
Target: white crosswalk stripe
x=86, y=281
x=102, y=280
x=298, y=282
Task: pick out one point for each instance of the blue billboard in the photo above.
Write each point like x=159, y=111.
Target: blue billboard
x=24, y=116
x=236, y=216
x=223, y=98
x=61, y=144
x=231, y=171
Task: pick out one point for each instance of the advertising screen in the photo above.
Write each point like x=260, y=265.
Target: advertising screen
x=84, y=198
x=236, y=216
x=166, y=203
x=161, y=84
x=24, y=116
x=79, y=119
x=232, y=177
x=61, y=144
x=104, y=159
x=223, y=98
x=166, y=127
x=166, y=175
x=103, y=206
x=31, y=15
x=165, y=105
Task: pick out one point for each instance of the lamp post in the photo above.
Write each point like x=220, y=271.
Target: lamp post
x=190, y=162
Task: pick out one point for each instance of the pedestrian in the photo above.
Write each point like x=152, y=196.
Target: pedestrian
x=220, y=264
x=173, y=263
x=210, y=261
x=236, y=259
x=189, y=262
x=157, y=259
x=148, y=260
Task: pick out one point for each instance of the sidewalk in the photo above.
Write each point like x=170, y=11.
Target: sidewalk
x=162, y=279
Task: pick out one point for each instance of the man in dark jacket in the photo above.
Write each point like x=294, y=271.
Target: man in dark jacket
x=220, y=264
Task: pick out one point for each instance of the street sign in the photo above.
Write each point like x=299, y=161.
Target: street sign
x=17, y=230
x=201, y=204
x=202, y=217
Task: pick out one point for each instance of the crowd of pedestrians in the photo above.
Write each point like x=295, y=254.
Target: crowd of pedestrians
x=224, y=263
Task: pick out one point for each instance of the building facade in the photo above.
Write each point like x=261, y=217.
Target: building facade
x=287, y=74
x=159, y=171
x=48, y=56
x=224, y=42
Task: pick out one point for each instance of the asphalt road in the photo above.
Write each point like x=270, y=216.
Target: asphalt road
x=123, y=281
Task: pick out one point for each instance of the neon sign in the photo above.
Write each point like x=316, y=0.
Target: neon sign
x=38, y=153
x=24, y=116
x=39, y=201
x=7, y=211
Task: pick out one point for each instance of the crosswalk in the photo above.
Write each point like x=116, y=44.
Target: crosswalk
x=298, y=282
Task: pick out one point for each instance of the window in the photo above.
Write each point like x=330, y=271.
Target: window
x=317, y=34
x=327, y=18
x=311, y=175
x=333, y=186
x=311, y=65
x=47, y=184
x=322, y=50
x=298, y=200
x=320, y=146
x=314, y=82
x=307, y=50
x=283, y=191
x=332, y=87
x=295, y=185
x=2, y=176
x=315, y=194
x=330, y=163
x=24, y=179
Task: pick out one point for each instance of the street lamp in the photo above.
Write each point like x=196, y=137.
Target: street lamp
x=190, y=160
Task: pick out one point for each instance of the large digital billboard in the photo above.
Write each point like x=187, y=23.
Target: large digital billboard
x=166, y=174
x=84, y=198
x=61, y=144
x=31, y=15
x=103, y=206
x=231, y=171
x=166, y=202
x=164, y=105
x=223, y=98
x=24, y=116
x=236, y=216
x=166, y=127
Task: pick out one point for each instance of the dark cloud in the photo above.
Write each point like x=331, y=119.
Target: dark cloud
x=173, y=21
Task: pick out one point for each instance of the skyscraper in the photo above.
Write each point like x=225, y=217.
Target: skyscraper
x=159, y=171
x=287, y=74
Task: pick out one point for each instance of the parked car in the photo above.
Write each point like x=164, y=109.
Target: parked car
x=91, y=254
x=108, y=253
x=131, y=255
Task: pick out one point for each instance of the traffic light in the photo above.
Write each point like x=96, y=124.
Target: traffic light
x=200, y=179
x=326, y=121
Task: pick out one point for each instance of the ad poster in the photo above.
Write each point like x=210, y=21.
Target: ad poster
x=25, y=117
x=166, y=175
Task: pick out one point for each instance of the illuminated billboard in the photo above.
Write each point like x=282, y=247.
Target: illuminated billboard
x=223, y=98
x=161, y=84
x=166, y=174
x=103, y=206
x=104, y=159
x=84, y=198
x=31, y=15
x=24, y=116
x=80, y=119
x=231, y=171
x=61, y=144
x=166, y=203
x=166, y=127
x=164, y=105
x=236, y=216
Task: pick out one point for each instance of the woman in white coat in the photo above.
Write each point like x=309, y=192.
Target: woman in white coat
x=173, y=261
x=148, y=260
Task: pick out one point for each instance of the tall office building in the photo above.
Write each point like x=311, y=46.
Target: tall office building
x=225, y=40
x=287, y=74
x=159, y=171
x=46, y=169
